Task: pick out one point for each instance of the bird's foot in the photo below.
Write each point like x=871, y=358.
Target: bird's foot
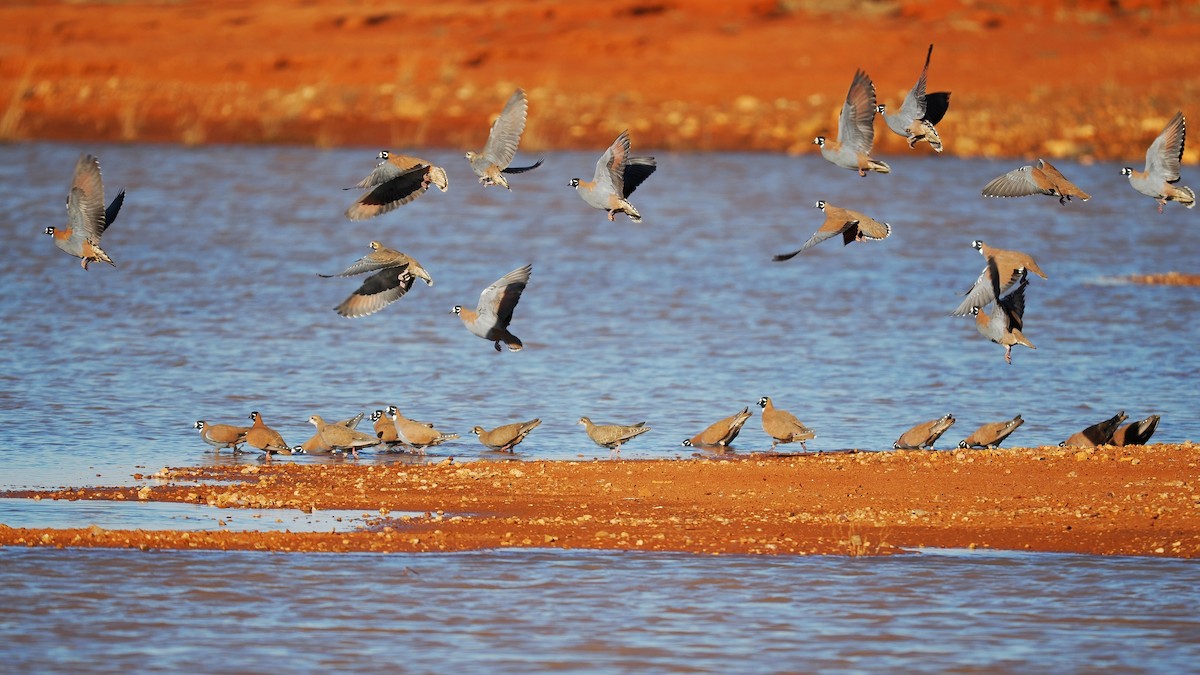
x=1161, y=204
x=497, y=345
x=1008, y=355
x=612, y=215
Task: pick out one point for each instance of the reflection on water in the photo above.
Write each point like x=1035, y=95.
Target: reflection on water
x=216, y=309
x=116, y=515
x=522, y=611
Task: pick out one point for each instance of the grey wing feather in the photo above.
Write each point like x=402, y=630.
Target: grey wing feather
x=368, y=263
x=913, y=107
x=497, y=301
x=85, y=203
x=377, y=291
x=383, y=173
x=506, y=131
x=856, y=127
x=611, y=166
x=1015, y=183
x=1162, y=158
x=818, y=237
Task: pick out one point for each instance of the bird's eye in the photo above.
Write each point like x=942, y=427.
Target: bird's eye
x=821, y=204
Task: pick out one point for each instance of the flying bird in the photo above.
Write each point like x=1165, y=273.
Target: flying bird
x=492, y=315
x=852, y=225
x=396, y=180
x=393, y=276
x=617, y=176
x=1004, y=323
x=87, y=218
x=1039, y=179
x=919, y=112
x=1162, y=167
x=1003, y=270
x=491, y=163
x=856, y=130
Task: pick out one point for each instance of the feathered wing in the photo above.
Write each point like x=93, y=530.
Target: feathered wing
x=986, y=289
x=610, y=169
x=1015, y=183
x=401, y=189
x=936, y=105
x=856, y=127
x=375, y=260
x=114, y=207
x=913, y=107
x=497, y=302
x=1065, y=187
x=1162, y=158
x=85, y=201
x=1013, y=306
x=637, y=170
x=377, y=291
x=506, y=131
x=832, y=227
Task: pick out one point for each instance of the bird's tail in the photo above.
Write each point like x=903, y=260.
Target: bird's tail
x=876, y=165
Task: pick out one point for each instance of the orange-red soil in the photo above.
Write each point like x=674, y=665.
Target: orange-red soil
x=1129, y=501
x=1085, y=79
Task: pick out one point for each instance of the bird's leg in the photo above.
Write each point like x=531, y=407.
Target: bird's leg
x=612, y=215
x=862, y=173
x=1008, y=354
x=84, y=262
x=497, y=345
x=803, y=446
x=1161, y=204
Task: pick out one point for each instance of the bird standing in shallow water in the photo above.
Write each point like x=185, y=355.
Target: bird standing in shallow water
x=1162, y=167
x=617, y=176
x=612, y=436
x=491, y=163
x=505, y=437
x=87, y=218
x=494, y=312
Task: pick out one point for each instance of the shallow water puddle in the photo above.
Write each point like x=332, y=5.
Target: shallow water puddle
x=118, y=515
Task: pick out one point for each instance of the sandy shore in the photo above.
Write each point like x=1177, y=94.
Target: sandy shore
x=1113, y=501
x=1089, y=80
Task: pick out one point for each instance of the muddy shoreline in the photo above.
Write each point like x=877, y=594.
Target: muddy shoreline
x=1109, y=501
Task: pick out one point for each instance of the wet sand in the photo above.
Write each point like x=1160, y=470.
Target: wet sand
x=1108, y=500
x=1095, y=80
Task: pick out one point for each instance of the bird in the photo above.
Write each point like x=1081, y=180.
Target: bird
x=617, y=176
x=87, y=218
x=491, y=163
x=394, y=273
x=992, y=434
x=396, y=180
x=925, y=434
x=339, y=437
x=1100, y=433
x=612, y=436
x=1003, y=270
x=720, y=433
x=316, y=444
x=1136, y=433
x=385, y=429
x=1039, y=179
x=1004, y=323
x=221, y=435
x=852, y=225
x=856, y=130
x=782, y=426
x=919, y=113
x=1162, y=167
x=506, y=437
x=415, y=434
x=492, y=315
x=265, y=438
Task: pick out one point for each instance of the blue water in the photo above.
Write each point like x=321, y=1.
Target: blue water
x=532, y=610
x=216, y=309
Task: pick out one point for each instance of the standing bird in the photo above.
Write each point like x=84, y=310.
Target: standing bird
x=491, y=163
x=782, y=426
x=1162, y=167
x=385, y=429
x=924, y=435
x=1003, y=270
x=397, y=180
x=1042, y=179
x=1100, y=433
x=612, y=436
x=394, y=275
x=415, y=434
x=856, y=130
x=1003, y=325
x=992, y=434
x=506, y=437
x=265, y=438
x=920, y=112
x=1136, y=433
x=339, y=437
x=496, y=303
x=852, y=225
x=721, y=433
x=87, y=219
x=316, y=444
x=221, y=435
x=617, y=176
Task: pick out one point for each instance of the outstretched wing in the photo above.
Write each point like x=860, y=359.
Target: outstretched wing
x=1162, y=159
x=856, y=127
x=637, y=170
x=85, y=201
x=506, y=131
x=378, y=291
x=913, y=107
x=496, y=302
x=610, y=169
x=1015, y=183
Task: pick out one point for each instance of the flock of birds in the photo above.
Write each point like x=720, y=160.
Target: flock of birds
x=399, y=179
